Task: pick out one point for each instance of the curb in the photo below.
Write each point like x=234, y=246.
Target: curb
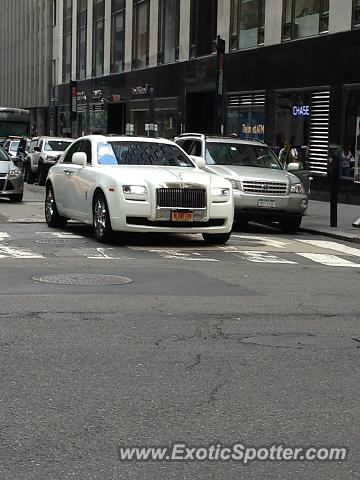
x=338, y=236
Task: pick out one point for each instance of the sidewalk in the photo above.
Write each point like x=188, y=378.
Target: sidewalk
x=317, y=220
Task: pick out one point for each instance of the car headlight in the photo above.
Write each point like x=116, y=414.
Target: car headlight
x=297, y=188
x=236, y=184
x=15, y=172
x=220, y=194
x=134, y=189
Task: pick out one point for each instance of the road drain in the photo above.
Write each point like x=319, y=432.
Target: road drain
x=83, y=279
x=61, y=241
x=326, y=342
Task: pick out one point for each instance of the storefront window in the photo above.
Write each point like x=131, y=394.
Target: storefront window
x=203, y=27
x=97, y=120
x=304, y=18
x=117, y=36
x=64, y=121
x=247, y=23
x=350, y=156
x=67, y=37
x=246, y=115
x=98, y=37
x=168, y=123
x=356, y=13
x=141, y=33
x=169, y=21
x=81, y=39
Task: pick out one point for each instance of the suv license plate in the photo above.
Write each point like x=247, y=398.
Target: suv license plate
x=266, y=203
x=182, y=216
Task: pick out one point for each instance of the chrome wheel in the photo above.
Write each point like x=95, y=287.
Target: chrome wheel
x=100, y=217
x=49, y=206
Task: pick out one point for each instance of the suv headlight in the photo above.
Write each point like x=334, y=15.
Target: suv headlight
x=134, y=190
x=236, y=184
x=297, y=188
x=15, y=172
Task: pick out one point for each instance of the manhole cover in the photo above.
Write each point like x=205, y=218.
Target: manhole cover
x=328, y=342
x=61, y=241
x=83, y=279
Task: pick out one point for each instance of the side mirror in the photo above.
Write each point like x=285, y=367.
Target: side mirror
x=199, y=161
x=293, y=167
x=37, y=149
x=79, y=158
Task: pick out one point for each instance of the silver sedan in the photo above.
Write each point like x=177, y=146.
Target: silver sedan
x=11, y=178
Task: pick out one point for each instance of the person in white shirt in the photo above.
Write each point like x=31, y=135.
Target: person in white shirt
x=288, y=154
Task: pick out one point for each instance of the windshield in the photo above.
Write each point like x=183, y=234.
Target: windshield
x=142, y=153
x=14, y=146
x=241, y=154
x=56, y=145
x=3, y=155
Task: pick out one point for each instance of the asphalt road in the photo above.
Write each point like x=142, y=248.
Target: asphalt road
x=254, y=343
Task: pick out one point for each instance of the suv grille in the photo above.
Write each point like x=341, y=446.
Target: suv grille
x=181, y=197
x=265, y=188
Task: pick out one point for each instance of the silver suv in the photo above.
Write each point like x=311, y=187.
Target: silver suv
x=263, y=190
x=43, y=154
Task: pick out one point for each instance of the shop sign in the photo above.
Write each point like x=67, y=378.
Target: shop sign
x=258, y=129
x=301, y=110
x=73, y=89
x=116, y=98
x=141, y=91
x=97, y=95
x=81, y=96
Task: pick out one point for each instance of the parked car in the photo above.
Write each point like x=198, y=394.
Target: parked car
x=11, y=145
x=263, y=191
x=22, y=152
x=11, y=178
x=135, y=184
x=43, y=154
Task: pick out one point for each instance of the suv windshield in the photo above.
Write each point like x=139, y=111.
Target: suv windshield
x=3, y=155
x=241, y=154
x=142, y=153
x=56, y=145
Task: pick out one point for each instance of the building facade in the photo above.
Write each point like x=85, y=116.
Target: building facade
x=26, y=58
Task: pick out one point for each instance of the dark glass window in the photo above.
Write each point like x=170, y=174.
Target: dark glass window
x=356, y=13
x=117, y=35
x=304, y=18
x=169, y=22
x=98, y=37
x=81, y=39
x=247, y=23
x=203, y=27
x=67, y=39
x=141, y=15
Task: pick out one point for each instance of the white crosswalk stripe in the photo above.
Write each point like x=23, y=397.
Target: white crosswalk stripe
x=262, y=257
x=191, y=256
x=338, y=247
x=329, y=260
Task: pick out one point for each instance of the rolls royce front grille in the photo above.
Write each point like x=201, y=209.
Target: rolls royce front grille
x=181, y=197
x=264, y=188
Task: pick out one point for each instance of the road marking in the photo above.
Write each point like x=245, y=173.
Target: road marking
x=3, y=235
x=355, y=252
x=60, y=234
x=267, y=242
x=329, y=260
x=262, y=257
x=103, y=255
x=11, y=252
x=172, y=254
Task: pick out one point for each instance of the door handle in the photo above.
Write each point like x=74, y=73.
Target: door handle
x=68, y=172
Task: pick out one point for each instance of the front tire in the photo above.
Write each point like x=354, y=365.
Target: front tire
x=52, y=216
x=216, y=238
x=101, y=220
x=41, y=175
x=291, y=225
x=16, y=198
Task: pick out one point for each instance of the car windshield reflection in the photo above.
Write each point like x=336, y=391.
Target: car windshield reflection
x=241, y=155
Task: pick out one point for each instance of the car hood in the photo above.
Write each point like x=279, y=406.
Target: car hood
x=5, y=166
x=158, y=175
x=251, y=173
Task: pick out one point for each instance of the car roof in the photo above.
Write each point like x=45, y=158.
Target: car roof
x=66, y=139
x=126, y=138
x=221, y=139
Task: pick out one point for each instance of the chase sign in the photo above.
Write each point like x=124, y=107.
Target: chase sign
x=301, y=110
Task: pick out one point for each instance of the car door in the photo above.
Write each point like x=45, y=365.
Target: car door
x=60, y=175
x=79, y=184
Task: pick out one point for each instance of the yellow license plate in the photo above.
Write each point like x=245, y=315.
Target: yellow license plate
x=182, y=216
